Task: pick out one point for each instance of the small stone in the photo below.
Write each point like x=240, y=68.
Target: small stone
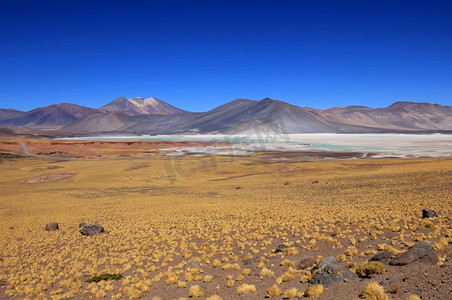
x=281, y=247
x=251, y=261
x=428, y=213
x=81, y=225
x=92, y=230
x=52, y=226
x=192, y=264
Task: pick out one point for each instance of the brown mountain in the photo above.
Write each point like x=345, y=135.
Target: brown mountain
x=10, y=113
x=400, y=116
x=152, y=116
x=49, y=117
x=139, y=106
x=255, y=117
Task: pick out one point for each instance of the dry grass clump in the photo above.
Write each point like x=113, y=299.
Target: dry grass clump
x=287, y=263
x=195, y=291
x=214, y=297
x=290, y=293
x=246, y=289
x=266, y=272
x=169, y=231
x=314, y=290
x=246, y=272
x=273, y=291
x=368, y=268
x=373, y=291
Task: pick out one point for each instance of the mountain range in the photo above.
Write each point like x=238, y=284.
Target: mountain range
x=241, y=116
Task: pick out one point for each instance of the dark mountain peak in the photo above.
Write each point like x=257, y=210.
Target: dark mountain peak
x=140, y=106
x=270, y=100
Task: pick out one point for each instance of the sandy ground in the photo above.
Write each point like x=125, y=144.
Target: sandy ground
x=198, y=220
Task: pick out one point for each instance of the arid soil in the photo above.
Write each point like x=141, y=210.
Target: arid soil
x=216, y=222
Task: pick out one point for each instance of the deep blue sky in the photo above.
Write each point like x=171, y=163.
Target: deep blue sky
x=200, y=54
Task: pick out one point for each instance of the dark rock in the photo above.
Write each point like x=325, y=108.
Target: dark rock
x=428, y=213
x=52, y=226
x=20, y=239
x=383, y=257
x=286, y=183
x=11, y=228
x=329, y=272
x=192, y=264
x=325, y=262
x=306, y=263
x=92, y=229
x=81, y=225
x=251, y=261
x=281, y=247
x=422, y=252
x=237, y=187
x=315, y=181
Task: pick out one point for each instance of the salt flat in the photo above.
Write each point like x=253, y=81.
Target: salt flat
x=384, y=145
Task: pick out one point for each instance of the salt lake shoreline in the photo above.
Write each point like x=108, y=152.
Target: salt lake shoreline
x=385, y=145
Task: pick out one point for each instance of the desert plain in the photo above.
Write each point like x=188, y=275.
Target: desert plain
x=248, y=226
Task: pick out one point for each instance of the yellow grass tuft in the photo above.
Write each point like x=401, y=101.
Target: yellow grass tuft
x=273, y=291
x=246, y=289
x=266, y=272
x=246, y=272
x=314, y=290
x=290, y=293
x=231, y=283
x=287, y=263
x=195, y=291
x=373, y=291
x=369, y=268
x=214, y=297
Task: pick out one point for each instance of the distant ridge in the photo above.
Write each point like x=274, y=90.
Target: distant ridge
x=240, y=116
x=48, y=117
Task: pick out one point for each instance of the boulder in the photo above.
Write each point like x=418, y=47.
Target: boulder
x=92, y=229
x=81, y=225
x=329, y=272
x=428, y=213
x=306, y=263
x=421, y=252
x=383, y=257
x=52, y=226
